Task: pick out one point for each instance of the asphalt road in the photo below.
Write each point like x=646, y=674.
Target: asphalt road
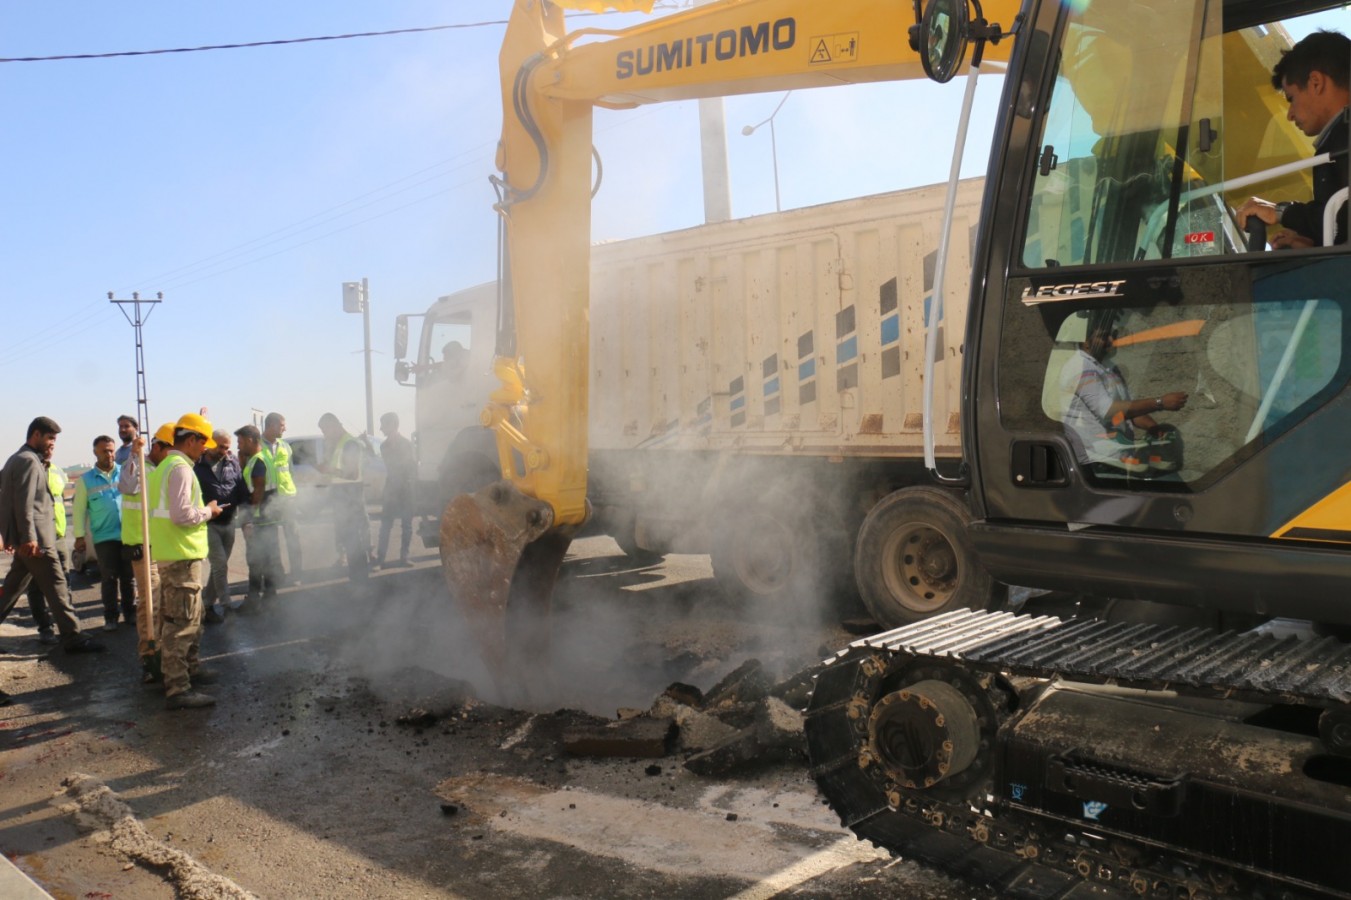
x=301, y=782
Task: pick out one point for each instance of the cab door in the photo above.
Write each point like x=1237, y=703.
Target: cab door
x=1153, y=409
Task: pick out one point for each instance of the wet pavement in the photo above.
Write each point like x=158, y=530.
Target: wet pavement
x=302, y=782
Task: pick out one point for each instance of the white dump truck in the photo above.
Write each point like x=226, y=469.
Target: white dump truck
x=755, y=394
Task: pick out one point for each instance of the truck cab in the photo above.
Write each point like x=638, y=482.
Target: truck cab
x=451, y=371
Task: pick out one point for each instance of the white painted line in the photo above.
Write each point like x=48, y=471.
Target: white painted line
x=844, y=852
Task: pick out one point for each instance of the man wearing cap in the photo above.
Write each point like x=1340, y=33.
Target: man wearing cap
x=133, y=545
x=178, y=548
x=28, y=527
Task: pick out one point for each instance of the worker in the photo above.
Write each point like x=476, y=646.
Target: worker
x=218, y=474
x=262, y=531
x=28, y=528
x=1105, y=424
x=278, y=453
x=98, y=520
x=128, y=429
x=342, y=464
x=1315, y=77
x=178, y=548
x=397, y=505
x=37, y=603
x=145, y=575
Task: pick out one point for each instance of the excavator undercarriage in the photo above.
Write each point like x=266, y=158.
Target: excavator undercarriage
x=1066, y=758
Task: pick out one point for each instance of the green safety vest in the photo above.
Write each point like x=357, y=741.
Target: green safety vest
x=131, y=513
x=335, y=464
x=260, y=516
x=170, y=542
x=280, y=463
x=56, y=483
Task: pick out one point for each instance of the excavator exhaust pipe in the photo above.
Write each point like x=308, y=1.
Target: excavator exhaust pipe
x=501, y=555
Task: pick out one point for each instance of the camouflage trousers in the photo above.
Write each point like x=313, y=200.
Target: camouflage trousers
x=180, y=621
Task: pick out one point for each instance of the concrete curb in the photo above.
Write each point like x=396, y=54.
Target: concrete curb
x=15, y=885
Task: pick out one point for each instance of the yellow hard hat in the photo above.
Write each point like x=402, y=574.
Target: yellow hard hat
x=165, y=434
x=197, y=425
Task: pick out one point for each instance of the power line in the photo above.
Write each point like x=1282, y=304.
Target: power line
x=282, y=41
x=305, y=40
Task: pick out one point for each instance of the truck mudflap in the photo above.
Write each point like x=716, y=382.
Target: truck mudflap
x=1060, y=758
x=500, y=557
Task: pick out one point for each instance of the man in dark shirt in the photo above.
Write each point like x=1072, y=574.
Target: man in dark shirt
x=1315, y=77
x=28, y=528
x=218, y=473
x=400, y=474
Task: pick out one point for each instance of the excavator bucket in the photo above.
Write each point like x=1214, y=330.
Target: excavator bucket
x=501, y=556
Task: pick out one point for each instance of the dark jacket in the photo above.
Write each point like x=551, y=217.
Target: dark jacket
x=1328, y=179
x=223, y=483
x=26, y=510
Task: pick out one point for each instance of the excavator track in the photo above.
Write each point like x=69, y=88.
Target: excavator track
x=917, y=738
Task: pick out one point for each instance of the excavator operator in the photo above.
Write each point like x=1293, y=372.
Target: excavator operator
x=1315, y=77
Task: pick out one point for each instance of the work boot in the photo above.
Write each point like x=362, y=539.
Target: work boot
x=85, y=644
x=212, y=617
x=48, y=637
x=204, y=676
x=189, y=700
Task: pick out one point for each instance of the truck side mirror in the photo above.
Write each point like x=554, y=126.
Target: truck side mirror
x=940, y=38
x=400, y=338
x=402, y=371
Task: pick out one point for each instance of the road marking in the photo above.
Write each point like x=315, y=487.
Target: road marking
x=844, y=852
x=660, y=838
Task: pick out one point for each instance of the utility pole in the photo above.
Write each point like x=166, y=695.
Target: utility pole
x=357, y=298
x=137, y=320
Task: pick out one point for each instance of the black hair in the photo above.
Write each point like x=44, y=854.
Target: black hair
x=1328, y=52
x=43, y=425
x=103, y=439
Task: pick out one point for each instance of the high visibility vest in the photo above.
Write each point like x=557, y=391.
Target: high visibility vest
x=260, y=513
x=170, y=542
x=280, y=461
x=56, y=483
x=335, y=464
x=131, y=512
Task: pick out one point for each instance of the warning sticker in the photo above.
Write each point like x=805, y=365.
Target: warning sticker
x=834, y=48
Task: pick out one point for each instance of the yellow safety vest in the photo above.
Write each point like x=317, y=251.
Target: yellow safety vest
x=131, y=512
x=280, y=461
x=56, y=483
x=170, y=542
x=260, y=516
x=335, y=464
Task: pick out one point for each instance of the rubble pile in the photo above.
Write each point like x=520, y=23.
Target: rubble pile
x=744, y=720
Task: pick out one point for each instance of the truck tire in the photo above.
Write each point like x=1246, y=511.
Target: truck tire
x=914, y=559
x=622, y=526
x=786, y=550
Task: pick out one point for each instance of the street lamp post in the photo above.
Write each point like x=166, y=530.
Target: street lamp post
x=356, y=298
x=749, y=130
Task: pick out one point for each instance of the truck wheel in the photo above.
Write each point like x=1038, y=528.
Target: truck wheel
x=622, y=528
x=914, y=559
x=784, y=550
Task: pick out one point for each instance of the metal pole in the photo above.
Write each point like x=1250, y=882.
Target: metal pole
x=774, y=157
x=366, y=325
x=137, y=321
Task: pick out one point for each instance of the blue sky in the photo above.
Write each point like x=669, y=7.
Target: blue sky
x=247, y=185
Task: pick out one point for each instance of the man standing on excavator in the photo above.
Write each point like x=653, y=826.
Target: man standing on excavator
x=1315, y=77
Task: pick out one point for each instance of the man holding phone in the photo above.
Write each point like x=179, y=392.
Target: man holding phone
x=218, y=473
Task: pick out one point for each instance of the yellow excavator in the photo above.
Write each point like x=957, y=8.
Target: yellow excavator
x=1194, y=738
